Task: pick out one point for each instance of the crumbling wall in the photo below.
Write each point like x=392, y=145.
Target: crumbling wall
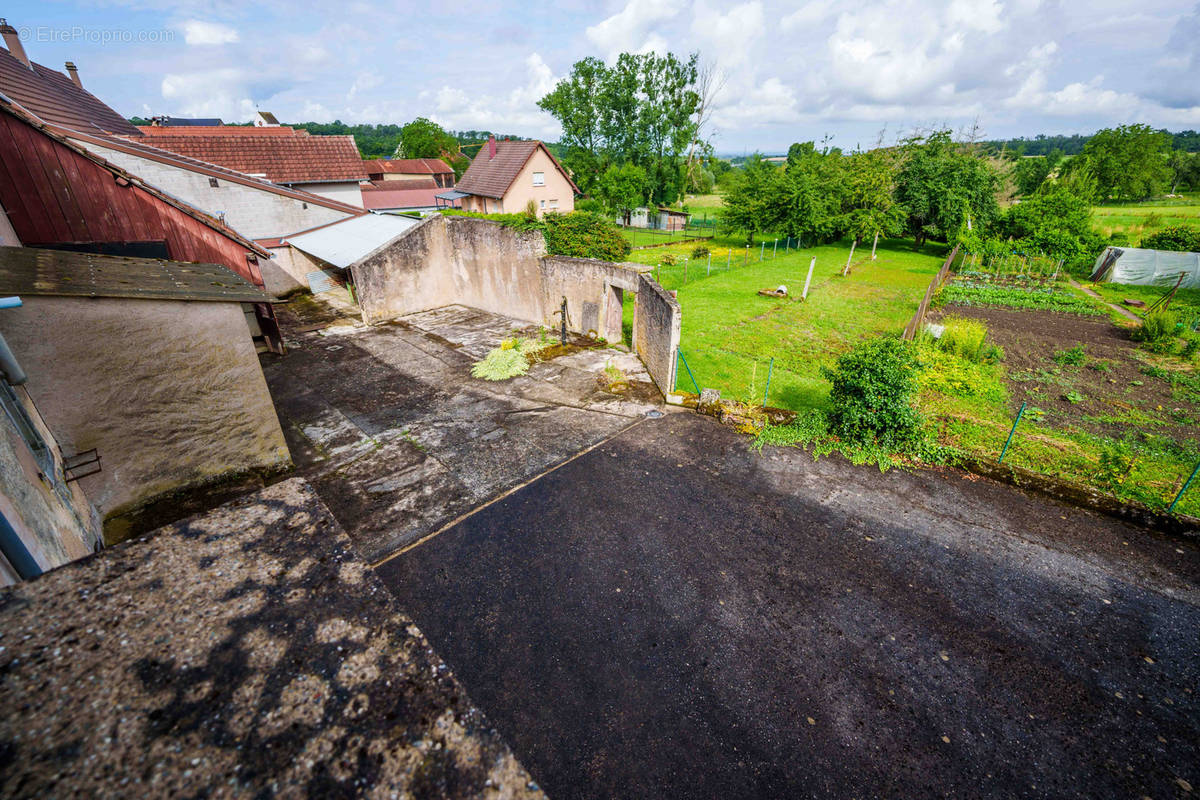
x=170, y=392
x=485, y=265
x=657, y=324
x=287, y=270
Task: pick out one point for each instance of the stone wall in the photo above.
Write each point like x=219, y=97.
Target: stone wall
x=170, y=392
x=657, y=324
x=287, y=270
x=485, y=265
x=52, y=517
x=252, y=212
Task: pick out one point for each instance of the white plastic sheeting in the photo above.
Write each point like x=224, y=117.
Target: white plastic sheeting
x=1138, y=267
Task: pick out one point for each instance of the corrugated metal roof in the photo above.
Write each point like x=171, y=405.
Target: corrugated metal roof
x=65, y=273
x=344, y=242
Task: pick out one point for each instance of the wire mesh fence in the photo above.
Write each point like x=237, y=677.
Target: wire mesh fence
x=673, y=271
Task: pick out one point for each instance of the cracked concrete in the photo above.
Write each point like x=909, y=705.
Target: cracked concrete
x=398, y=438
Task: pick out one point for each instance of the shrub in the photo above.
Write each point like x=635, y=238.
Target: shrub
x=669, y=259
x=700, y=251
x=1118, y=239
x=584, y=235
x=1180, y=238
x=872, y=392
x=1072, y=356
x=589, y=205
x=1156, y=327
x=964, y=338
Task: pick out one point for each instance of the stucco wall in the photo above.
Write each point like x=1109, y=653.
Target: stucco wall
x=287, y=270
x=479, y=263
x=170, y=392
x=522, y=189
x=347, y=192
x=53, y=518
x=657, y=323
x=254, y=213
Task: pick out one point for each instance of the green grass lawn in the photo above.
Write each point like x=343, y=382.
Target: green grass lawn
x=730, y=333
x=1136, y=220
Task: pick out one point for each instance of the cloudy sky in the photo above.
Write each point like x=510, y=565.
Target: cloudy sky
x=792, y=71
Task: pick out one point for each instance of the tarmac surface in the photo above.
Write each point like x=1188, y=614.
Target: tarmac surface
x=672, y=615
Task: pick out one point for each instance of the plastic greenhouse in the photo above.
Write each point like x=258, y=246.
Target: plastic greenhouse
x=1138, y=267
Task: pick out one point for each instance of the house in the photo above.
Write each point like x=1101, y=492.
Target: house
x=327, y=166
x=265, y=119
x=507, y=175
x=253, y=206
x=397, y=196
x=143, y=368
x=411, y=170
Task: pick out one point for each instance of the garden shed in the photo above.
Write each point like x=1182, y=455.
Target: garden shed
x=1138, y=267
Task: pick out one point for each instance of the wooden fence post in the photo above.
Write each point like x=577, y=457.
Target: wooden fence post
x=846, y=269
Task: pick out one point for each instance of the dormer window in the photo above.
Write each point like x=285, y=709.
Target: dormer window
x=539, y=179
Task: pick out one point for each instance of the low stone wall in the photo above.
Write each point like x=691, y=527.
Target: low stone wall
x=170, y=392
x=658, y=321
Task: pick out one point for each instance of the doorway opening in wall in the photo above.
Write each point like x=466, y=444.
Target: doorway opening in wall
x=614, y=315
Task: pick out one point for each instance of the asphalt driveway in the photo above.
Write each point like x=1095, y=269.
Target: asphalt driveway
x=669, y=615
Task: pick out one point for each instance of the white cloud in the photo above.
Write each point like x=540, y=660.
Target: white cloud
x=512, y=113
x=208, y=93
x=628, y=30
x=198, y=32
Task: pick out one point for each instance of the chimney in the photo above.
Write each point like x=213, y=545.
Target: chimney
x=12, y=40
x=491, y=147
x=73, y=72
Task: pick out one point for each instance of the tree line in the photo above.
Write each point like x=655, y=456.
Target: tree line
x=1043, y=145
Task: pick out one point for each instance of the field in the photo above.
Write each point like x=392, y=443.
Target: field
x=1135, y=220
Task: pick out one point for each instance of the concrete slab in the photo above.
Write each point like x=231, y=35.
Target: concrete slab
x=247, y=652
x=398, y=438
x=672, y=615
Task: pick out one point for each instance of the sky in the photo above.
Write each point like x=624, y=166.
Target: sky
x=857, y=72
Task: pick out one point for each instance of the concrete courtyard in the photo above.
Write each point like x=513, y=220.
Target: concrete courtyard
x=645, y=608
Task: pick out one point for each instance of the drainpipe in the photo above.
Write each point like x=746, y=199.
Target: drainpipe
x=8, y=362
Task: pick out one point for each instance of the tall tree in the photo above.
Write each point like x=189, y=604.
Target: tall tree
x=748, y=204
x=424, y=138
x=622, y=188
x=642, y=110
x=1129, y=162
x=1031, y=171
x=945, y=188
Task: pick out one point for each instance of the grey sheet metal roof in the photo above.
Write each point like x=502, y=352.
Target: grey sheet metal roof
x=348, y=240
x=36, y=271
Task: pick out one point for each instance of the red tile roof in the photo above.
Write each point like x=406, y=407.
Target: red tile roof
x=54, y=99
x=411, y=183
x=407, y=166
x=381, y=198
x=139, y=147
x=491, y=177
x=215, y=130
x=292, y=156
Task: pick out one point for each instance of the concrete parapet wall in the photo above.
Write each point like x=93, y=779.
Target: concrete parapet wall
x=658, y=321
x=485, y=265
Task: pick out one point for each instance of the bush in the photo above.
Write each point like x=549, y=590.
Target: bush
x=700, y=251
x=1179, y=238
x=668, y=259
x=584, y=235
x=964, y=338
x=1118, y=239
x=1156, y=326
x=873, y=387
x=589, y=205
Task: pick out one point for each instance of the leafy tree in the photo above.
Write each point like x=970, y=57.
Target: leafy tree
x=804, y=198
x=1129, y=162
x=424, y=138
x=622, y=188
x=642, y=110
x=944, y=187
x=1056, y=221
x=1031, y=171
x=869, y=195
x=747, y=205
x=1185, y=170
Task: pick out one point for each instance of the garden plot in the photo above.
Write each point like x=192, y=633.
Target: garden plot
x=1100, y=409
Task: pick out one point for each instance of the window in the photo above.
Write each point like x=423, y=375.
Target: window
x=212, y=182
x=543, y=204
x=539, y=179
x=553, y=204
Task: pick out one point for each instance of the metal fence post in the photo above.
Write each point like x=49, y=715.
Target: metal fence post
x=775, y=249
x=874, y=244
x=770, y=367
x=808, y=280
x=1186, y=484
x=708, y=270
x=680, y=357
x=1010, y=433
x=762, y=250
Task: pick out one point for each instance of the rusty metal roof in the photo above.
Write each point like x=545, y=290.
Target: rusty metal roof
x=65, y=273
